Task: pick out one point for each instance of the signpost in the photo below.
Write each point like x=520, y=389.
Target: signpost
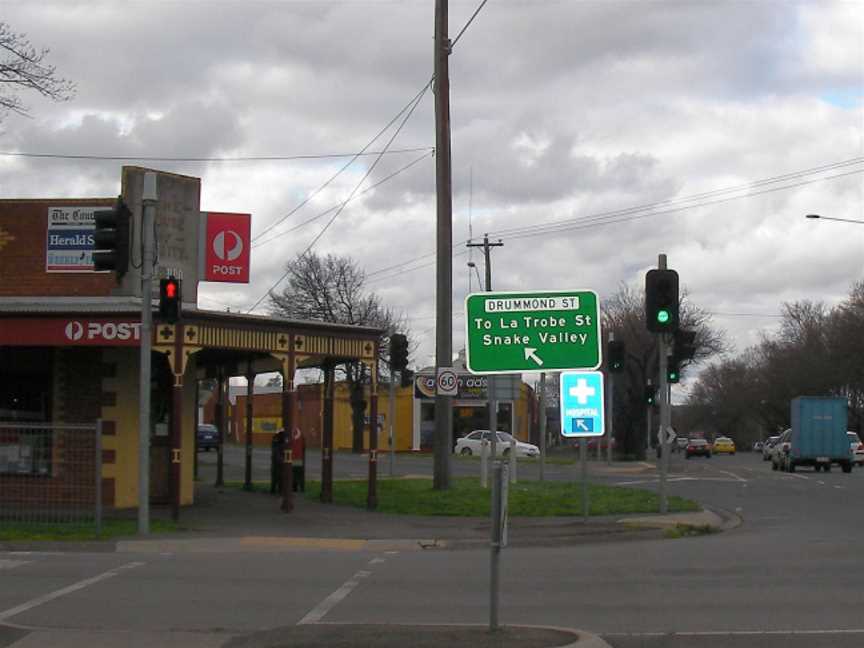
x=510, y=332
x=582, y=415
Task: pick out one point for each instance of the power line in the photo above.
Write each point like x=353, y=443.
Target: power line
x=334, y=207
x=596, y=221
x=398, y=130
x=414, y=100
x=470, y=20
x=619, y=216
x=695, y=197
x=251, y=158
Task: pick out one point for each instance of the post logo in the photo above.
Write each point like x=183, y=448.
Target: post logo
x=228, y=245
x=74, y=331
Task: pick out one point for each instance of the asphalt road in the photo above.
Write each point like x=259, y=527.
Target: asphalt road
x=790, y=576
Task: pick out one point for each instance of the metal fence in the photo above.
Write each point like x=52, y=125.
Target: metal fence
x=51, y=474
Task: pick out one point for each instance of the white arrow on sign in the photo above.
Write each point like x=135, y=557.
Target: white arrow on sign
x=530, y=353
x=581, y=425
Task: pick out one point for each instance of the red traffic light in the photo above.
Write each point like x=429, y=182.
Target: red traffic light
x=169, y=299
x=171, y=290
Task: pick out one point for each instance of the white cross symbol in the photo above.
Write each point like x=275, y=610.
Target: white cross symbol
x=582, y=391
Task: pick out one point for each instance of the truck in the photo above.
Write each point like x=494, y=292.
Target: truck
x=818, y=434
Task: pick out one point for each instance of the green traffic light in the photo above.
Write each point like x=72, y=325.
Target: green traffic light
x=663, y=316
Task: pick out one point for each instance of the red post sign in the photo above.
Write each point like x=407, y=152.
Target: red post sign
x=227, y=243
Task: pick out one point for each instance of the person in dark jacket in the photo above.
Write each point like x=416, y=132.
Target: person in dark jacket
x=277, y=447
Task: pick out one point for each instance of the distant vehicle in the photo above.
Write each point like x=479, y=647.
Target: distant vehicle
x=724, y=445
x=757, y=447
x=471, y=444
x=818, y=436
x=208, y=437
x=698, y=448
x=779, y=450
x=857, y=448
x=768, y=446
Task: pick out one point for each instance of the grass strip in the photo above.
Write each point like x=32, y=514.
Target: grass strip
x=77, y=531
x=467, y=498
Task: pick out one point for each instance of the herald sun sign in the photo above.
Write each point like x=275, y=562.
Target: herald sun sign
x=227, y=242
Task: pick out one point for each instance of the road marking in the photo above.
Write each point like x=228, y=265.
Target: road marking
x=840, y=487
x=319, y=611
x=376, y=561
x=18, y=609
x=731, y=474
x=739, y=633
x=820, y=482
x=9, y=564
x=796, y=476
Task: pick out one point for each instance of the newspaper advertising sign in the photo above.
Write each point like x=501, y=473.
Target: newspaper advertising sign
x=69, y=242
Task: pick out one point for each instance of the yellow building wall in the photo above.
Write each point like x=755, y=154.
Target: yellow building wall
x=124, y=413
x=124, y=470
x=404, y=419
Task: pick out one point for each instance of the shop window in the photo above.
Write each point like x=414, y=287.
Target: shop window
x=25, y=397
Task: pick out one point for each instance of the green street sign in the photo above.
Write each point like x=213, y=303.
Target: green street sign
x=511, y=332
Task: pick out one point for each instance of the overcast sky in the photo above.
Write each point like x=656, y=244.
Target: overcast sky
x=561, y=110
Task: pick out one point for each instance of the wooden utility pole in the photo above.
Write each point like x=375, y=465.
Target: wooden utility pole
x=444, y=235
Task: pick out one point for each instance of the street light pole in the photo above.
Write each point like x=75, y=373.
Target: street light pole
x=832, y=218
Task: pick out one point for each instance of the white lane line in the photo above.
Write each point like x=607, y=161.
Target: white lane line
x=9, y=564
x=840, y=487
x=18, y=609
x=319, y=611
x=796, y=476
x=731, y=474
x=376, y=561
x=820, y=482
x=740, y=633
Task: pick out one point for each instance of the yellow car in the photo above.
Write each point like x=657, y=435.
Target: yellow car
x=724, y=444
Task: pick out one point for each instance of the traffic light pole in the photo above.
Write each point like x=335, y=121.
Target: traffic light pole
x=148, y=217
x=391, y=414
x=665, y=408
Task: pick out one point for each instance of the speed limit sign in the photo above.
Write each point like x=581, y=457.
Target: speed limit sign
x=446, y=384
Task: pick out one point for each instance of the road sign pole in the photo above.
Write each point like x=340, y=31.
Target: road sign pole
x=542, y=408
x=583, y=460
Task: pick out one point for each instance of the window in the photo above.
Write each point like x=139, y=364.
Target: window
x=474, y=436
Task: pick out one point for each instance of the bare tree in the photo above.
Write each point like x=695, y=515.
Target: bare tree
x=23, y=67
x=624, y=314
x=332, y=289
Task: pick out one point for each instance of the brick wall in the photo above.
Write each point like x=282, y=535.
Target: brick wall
x=23, y=232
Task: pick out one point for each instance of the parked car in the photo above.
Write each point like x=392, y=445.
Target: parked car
x=723, y=445
x=208, y=437
x=857, y=448
x=697, y=448
x=768, y=446
x=471, y=444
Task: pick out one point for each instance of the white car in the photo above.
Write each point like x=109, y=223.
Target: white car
x=857, y=448
x=470, y=445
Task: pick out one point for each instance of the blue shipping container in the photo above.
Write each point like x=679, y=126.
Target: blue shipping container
x=819, y=431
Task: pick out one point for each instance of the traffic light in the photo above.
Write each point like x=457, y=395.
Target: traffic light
x=407, y=377
x=398, y=352
x=169, y=300
x=661, y=301
x=684, y=349
x=650, y=394
x=673, y=371
x=111, y=239
x=616, y=356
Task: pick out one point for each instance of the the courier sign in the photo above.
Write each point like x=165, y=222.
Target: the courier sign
x=226, y=244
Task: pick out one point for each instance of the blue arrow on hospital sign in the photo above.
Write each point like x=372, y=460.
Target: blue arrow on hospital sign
x=582, y=404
